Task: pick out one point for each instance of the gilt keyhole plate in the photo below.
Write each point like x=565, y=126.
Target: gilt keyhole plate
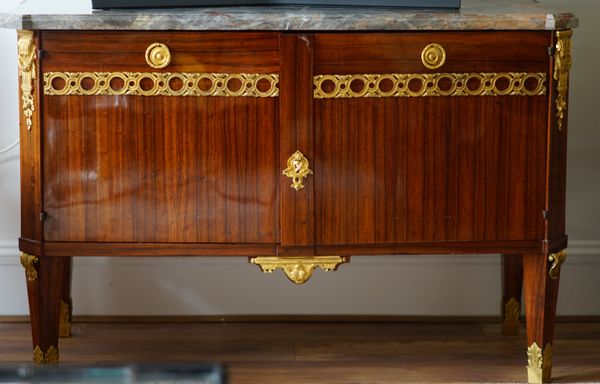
x=297, y=169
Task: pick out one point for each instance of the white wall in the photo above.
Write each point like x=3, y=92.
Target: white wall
x=445, y=285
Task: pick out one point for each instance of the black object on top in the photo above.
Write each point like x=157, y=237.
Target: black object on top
x=114, y=4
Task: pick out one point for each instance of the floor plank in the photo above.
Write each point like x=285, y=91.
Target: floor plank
x=327, y=353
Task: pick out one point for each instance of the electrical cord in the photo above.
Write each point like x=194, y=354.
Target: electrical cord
x=4, y=150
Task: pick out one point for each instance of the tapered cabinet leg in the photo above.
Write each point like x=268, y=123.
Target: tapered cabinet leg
x=512, y=284
x=541, y=275
x=66, y=303
x=45, y=279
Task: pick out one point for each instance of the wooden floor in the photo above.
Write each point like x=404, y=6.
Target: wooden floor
x=307, y=353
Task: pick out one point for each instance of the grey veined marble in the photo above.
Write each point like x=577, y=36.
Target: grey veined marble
x=474, y=15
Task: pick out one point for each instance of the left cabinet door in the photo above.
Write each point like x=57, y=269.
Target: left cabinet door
x=137, y=153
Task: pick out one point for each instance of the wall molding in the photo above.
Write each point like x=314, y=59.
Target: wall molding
x=151, y=319
x=184, y=286
x=580, y=252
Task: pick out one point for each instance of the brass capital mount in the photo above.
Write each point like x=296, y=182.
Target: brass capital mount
x=557, y=259
x=28, y=262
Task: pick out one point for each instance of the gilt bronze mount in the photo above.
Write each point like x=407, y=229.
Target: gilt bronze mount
x=64, y=329
x=297, y=169
x=48, y=357
x=161, y=84
x=28, y=262
x=298, y=269
x=562, y=66
x=158, y=56
x=557, y=259
x=27, y=71
x=511, y=314
x=539, y=363
x=429, y=84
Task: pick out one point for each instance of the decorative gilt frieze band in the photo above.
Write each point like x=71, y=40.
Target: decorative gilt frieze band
x=49, y=357
x=557, y=259
x=562, y=66
x=298, y=269
x=161, y=84
x=429, y=84
x=27, y=71
x=539, y=363
x=28, y=262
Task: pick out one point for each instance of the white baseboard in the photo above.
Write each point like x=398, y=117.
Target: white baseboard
x=426, y=285
x=580, y=252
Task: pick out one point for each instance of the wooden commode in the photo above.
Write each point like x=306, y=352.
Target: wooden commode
x=297, y=137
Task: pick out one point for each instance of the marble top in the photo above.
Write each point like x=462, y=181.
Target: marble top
x=474, y=15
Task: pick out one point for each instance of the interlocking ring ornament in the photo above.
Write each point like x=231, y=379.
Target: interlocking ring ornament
x=429, y=84
x=433, y=56
x=158, y=56
x=160, y=84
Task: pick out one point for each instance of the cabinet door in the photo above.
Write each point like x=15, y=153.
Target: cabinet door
x=185, y=153
x=410, y=154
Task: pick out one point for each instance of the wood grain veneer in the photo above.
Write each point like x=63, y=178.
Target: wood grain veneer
x=105, y=51
x=477, y=51
x=188, y=169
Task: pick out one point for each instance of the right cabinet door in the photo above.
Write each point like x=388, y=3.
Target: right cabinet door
x=430, y=137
